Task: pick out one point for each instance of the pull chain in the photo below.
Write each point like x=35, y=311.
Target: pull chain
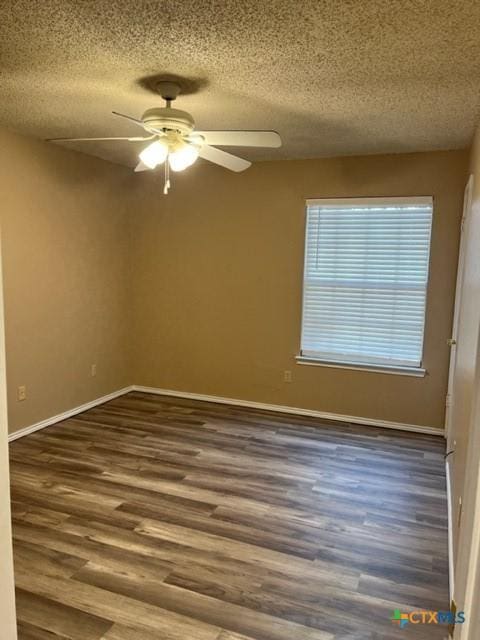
x=166, y=185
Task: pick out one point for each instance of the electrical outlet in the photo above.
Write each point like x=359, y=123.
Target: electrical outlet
x=287, y=376
x=93, y=370
x=22, y=393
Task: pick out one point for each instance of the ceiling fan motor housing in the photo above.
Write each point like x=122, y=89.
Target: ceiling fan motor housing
x=166, y=118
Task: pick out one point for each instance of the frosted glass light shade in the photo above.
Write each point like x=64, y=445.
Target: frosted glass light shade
x=154, y=154
x=183, y=157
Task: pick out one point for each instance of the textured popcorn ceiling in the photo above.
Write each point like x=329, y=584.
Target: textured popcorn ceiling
x=333, y=77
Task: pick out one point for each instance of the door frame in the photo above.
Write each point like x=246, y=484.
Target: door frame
x=450, y=399
x=7, y=587
x=468, y=566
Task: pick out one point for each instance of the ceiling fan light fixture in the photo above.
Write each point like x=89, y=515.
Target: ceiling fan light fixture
x=183, y=157
x=174, y=142
x=156, y=153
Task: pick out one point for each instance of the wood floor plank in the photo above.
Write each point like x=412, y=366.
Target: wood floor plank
x=172, y=551
x=298, y=568
x=102, y=603
x=45, y=560
x=58, y=618
x=122, y=632
x=252, y=534
x=144, y=566
x=26, y=631
x=202, y=608
x=157, y=518
x=228, y=635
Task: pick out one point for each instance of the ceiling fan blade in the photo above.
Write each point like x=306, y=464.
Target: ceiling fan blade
x=98, y=139
x=131, y=118
x=224, y=159
x=141, y=167
x=158, y=132
x=242, y=138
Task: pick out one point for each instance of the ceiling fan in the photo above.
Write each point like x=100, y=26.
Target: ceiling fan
x=174, y=142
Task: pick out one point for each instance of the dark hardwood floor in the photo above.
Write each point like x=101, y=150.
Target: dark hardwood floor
x=154, y=518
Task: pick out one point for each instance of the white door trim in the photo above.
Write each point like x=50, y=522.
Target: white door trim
x=467, y=202
x=7, y=601
x=467, y=586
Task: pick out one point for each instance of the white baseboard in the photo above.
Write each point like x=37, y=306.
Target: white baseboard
x=322, y=415
x=292, y=410
x=451, y=562
x=67, y=414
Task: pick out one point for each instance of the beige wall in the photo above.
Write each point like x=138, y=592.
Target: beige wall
x=64, y=234
x=217, y=268
x=199, y=291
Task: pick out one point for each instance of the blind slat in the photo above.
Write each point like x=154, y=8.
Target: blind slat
x=365, y=280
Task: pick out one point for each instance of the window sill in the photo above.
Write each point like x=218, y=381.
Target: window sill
x=416, y=372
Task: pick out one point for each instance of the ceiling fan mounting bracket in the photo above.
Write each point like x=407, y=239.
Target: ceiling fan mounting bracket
x=168, y=90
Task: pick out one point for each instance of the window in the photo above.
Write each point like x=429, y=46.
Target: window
x=365, y=281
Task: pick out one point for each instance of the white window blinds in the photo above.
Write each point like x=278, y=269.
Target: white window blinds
x=365, y=280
